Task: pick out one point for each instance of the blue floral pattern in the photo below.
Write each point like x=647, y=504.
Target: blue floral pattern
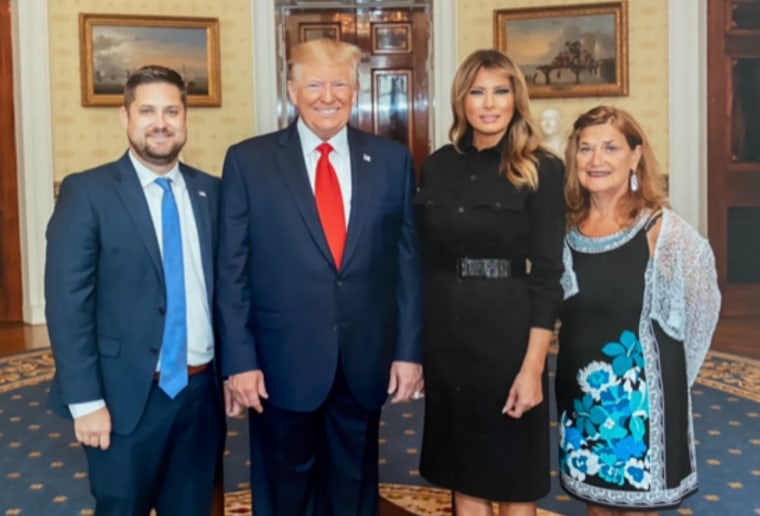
x=605, y=437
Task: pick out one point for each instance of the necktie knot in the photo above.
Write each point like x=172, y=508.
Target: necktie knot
x=165, y=184
x=324, y=149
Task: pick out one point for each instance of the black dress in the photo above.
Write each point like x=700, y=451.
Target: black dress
x=476, y=329
x=622, y=392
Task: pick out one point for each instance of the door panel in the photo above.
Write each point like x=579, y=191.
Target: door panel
x=11, y=296
x=734, y=152
x=392, y=99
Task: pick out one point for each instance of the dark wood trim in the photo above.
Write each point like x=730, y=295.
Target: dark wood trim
x=730, y=182
x=11, y=295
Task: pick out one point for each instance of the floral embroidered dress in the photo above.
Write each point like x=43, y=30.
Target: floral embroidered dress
x=622, y=382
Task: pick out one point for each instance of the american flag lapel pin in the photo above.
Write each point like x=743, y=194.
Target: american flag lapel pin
x=367, y=158
x=201, y=193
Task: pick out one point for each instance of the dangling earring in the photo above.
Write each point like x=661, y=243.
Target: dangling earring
x=634, y=182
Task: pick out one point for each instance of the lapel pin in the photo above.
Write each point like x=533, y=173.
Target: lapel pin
x=201, y=193
x=367, y=158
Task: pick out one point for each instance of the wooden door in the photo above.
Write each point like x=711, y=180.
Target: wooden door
x=11, y=297
x=393, y=72
x=733, y=150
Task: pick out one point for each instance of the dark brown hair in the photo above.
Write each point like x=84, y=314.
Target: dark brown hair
x=150, y=74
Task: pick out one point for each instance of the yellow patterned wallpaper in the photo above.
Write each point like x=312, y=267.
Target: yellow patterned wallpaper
x=647, y=98
x=86, y=137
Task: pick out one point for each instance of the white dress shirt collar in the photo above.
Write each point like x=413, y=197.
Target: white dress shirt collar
x=147, y=176
x=310, y=141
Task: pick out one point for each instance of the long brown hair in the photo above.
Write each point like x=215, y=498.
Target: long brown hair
x=651, y=193
x=518, y=160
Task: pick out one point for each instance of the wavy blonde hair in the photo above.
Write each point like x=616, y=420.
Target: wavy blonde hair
x=326, y=52
x=651, y=193
x=518, y=160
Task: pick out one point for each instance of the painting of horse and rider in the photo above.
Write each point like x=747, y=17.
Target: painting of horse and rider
x=569, y=51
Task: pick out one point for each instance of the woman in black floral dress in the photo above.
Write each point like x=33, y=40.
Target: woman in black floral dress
x=642, y=304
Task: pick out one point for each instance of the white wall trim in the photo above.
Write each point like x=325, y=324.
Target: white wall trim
x=264, y=65
x=34, y=146
x=445, y=62
x=687, y=44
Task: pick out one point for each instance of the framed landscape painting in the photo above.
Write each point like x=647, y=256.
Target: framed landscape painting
x=112, y=46
x=568, y=51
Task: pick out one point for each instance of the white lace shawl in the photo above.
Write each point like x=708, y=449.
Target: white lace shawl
x=681, y=288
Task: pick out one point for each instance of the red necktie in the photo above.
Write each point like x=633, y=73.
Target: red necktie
x=330, y=204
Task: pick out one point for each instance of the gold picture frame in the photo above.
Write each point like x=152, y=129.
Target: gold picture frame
x=584, y=48
x=111, y=46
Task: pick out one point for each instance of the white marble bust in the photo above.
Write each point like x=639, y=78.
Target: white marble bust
x=550, y=125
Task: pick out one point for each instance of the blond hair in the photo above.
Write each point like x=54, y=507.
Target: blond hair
x=651, y=192
x=326, y=52
x=518, y=161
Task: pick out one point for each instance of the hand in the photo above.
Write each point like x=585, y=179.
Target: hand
x=247, y=389
x=231, y=407
x=406, y=381
x=526, y=393
x=94, y=429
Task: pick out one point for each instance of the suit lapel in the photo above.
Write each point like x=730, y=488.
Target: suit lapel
x=129, y=189
x=361, y=191
x=199, y=202
x=289, y=157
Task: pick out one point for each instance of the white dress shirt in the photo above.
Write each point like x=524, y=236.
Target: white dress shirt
x=200, y=336
x=340, y=159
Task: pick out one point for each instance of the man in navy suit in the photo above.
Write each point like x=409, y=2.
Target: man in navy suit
x=128, y=287
x=318, y=293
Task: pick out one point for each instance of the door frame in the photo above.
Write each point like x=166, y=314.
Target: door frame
x=11, y=294
x=445, y=62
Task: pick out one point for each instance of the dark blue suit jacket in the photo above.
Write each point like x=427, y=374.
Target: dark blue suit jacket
x=282, y=306
x=104, y=287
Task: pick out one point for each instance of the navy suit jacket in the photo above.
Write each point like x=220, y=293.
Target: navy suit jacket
x=282, y=306
x=104, y=286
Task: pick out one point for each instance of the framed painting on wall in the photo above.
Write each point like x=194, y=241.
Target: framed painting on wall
x=568, y=51
x=112, y=46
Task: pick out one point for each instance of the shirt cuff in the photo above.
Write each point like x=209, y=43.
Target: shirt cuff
x=87, y=407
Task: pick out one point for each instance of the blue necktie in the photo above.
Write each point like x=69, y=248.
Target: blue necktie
x=173, y=373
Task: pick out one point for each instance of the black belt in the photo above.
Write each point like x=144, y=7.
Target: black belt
x=490, y=268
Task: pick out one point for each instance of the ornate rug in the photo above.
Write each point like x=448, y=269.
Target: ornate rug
x=44, y=473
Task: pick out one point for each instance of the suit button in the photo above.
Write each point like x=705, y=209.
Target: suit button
x=335, y=327
x=460, y=209
x=161, y=310
x=339, y=283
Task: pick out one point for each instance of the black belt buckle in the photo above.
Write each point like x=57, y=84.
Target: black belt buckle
x=486, y=268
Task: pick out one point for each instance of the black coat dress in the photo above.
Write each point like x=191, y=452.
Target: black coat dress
x=476, y=329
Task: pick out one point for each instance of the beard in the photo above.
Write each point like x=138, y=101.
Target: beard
x=156, y=156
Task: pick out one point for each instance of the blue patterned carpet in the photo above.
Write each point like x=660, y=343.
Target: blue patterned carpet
x=43, y=470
